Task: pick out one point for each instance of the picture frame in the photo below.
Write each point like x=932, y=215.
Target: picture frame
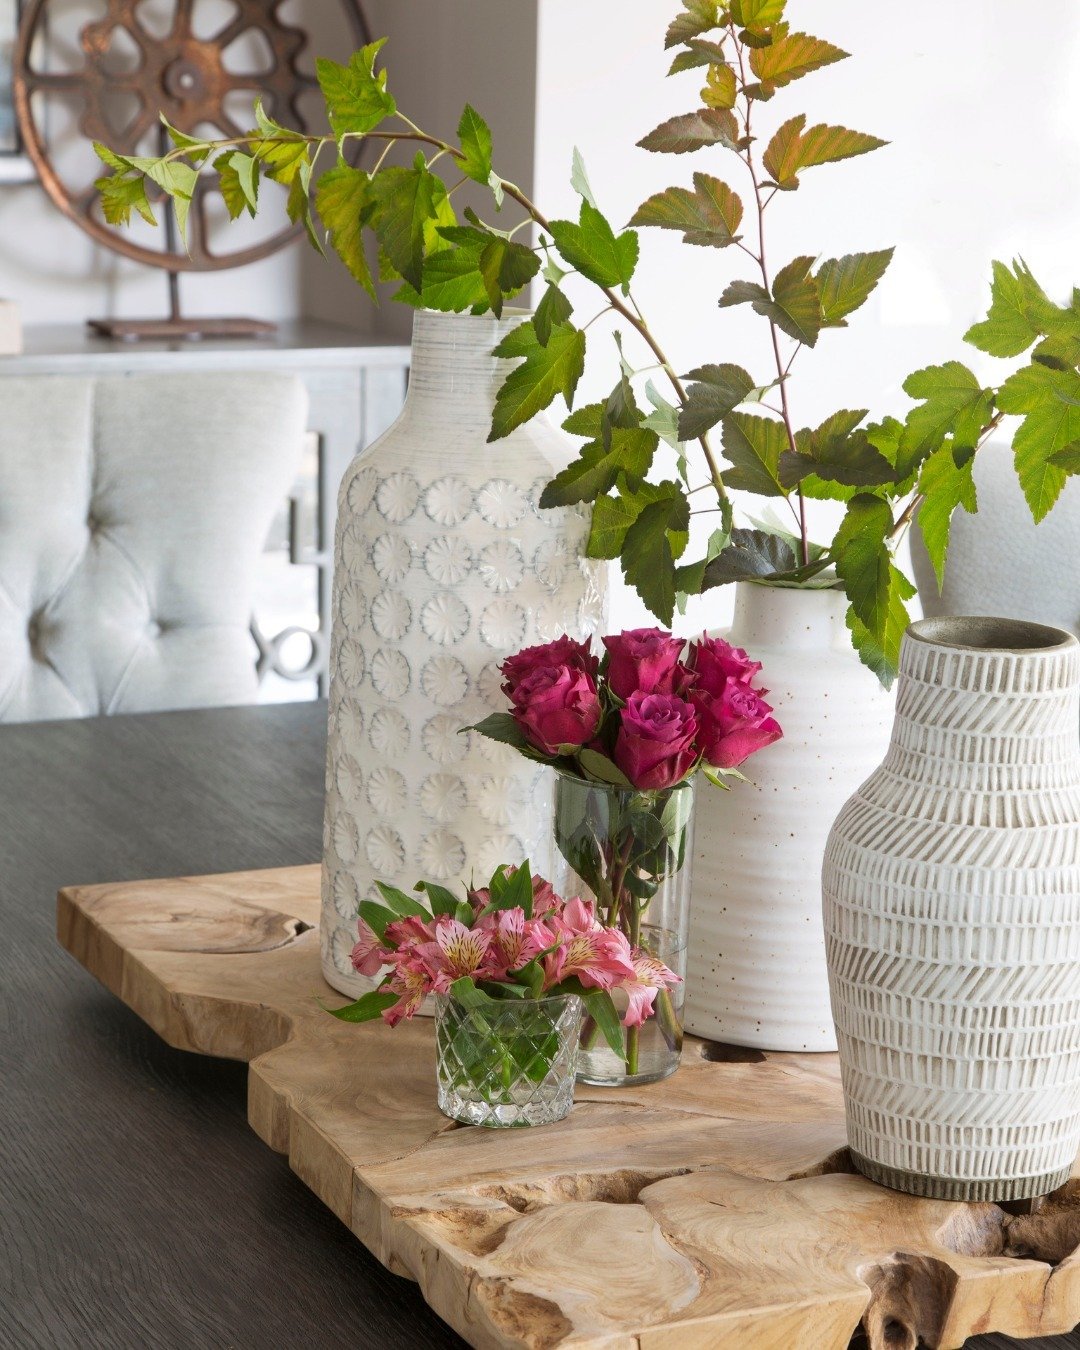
x=15, y=164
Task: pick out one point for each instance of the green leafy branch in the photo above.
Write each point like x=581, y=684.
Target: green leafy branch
x=887, y=473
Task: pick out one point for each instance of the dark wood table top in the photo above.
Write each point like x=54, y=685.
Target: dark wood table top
x=137, y=1209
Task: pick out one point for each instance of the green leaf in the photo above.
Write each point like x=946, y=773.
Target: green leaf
x=691, y=131
x=545, y=372
x=594, y=249
x=1020, y=312
x=598, y=766
x=944, y=485
x=579, y=179
x=613, y=516
x=664, y=418
x=452, y=282
x=845, y=283
x=954, y=404
x=863, y=560
x=343, y=200
x=376, y=916
x=367, y=1007
x=1049, y=401
x=757, y=13
x=629, y=451
x=753, y=445
x=511, y=892
x=793, y=306
x=120, y=195
x=405, y=203
x=648, y=562
x=403, y=905
x=356, y=98
x=474, y=135
x=837, y=453
x=709, y=216
x=716, y=391
x=720, y=87
x=247, y=175
x=197, y=150
x=699, y=53
x=469, y=996
x=441, y=900
x=1068, y=458
x=281, y=159
x=751, y=554
x=504, y=728
x=601, y=1008
x=505, y=268
x=793, y=149
x=791, y=57
x=229, y=185
x=554, y=308
x=796, y=307
x=881, y=651
x=700, y=17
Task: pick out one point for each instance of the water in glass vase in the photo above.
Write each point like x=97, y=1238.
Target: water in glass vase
x=630, y=851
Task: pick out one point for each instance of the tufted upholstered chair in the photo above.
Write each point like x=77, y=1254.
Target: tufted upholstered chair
x=1000, y=562
x=133, y=511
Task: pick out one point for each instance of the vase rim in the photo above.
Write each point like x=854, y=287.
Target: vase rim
x=512, y=1004
x=987, y=633
x=463, y=317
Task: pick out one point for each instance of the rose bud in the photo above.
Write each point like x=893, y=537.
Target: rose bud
x=564, y=651
x=645, y=660
x=733, y=725
x=715, y=661
x=557, y=705
x=655, y=745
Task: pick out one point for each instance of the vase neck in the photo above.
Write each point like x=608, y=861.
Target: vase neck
x=1015, y=709
x=453, y=372
x=795, y=619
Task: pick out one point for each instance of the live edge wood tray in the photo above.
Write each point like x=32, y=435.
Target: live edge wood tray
x=716, y=1209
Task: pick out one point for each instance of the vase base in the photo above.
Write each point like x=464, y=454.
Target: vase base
x=961, y=1188
x=628, y=1080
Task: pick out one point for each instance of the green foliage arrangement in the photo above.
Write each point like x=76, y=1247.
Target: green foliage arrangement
x=886, y=472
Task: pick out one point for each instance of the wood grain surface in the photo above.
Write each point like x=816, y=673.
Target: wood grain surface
x=717, y=1208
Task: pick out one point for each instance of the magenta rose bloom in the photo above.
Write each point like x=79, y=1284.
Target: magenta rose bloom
x=645, y=660
x=564, y=651
x=715, y=661
x=557, y=705
x=734, y=724
x=655, y=745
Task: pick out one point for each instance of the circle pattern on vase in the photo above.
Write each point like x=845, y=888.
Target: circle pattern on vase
x=438, y=577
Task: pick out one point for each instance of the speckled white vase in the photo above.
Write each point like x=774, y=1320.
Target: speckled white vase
x=443, y=565
x=952, y=917
x=756, y=972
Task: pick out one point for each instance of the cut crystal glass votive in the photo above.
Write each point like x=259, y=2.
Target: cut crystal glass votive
x=508, y=1063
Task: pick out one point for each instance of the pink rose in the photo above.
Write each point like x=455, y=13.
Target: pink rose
x=715, y=661
x=557, y=705
x=564, y=651
x=734, y=724
x=655, y=745
x=645, y=660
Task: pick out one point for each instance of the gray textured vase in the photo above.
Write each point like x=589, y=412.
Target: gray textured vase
x=444, y=564
x=952, y=919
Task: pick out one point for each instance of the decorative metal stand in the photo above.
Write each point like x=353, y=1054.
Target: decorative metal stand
x=185, y=77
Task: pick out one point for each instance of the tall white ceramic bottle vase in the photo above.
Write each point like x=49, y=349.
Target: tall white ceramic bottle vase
x=756, y=973
x=952, y=918
x=443, y=565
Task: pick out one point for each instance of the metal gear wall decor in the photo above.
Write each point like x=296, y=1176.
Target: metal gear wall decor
x=185, y=76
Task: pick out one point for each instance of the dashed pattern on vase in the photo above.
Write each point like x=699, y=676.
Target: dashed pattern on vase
x=435, y=583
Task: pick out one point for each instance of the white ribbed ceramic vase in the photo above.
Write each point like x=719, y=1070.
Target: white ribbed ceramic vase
x=952, y=915
x=756, y=971
x=444, y=564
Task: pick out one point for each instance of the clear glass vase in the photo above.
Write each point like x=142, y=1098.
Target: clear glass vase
x=508, y=1063
x=632, y=852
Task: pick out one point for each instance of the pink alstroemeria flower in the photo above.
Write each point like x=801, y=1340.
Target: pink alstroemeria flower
x=457, y=951
x=369, y=955
x=650, y=975
x=599, y=958
x=412, y=983
x=516, y=939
